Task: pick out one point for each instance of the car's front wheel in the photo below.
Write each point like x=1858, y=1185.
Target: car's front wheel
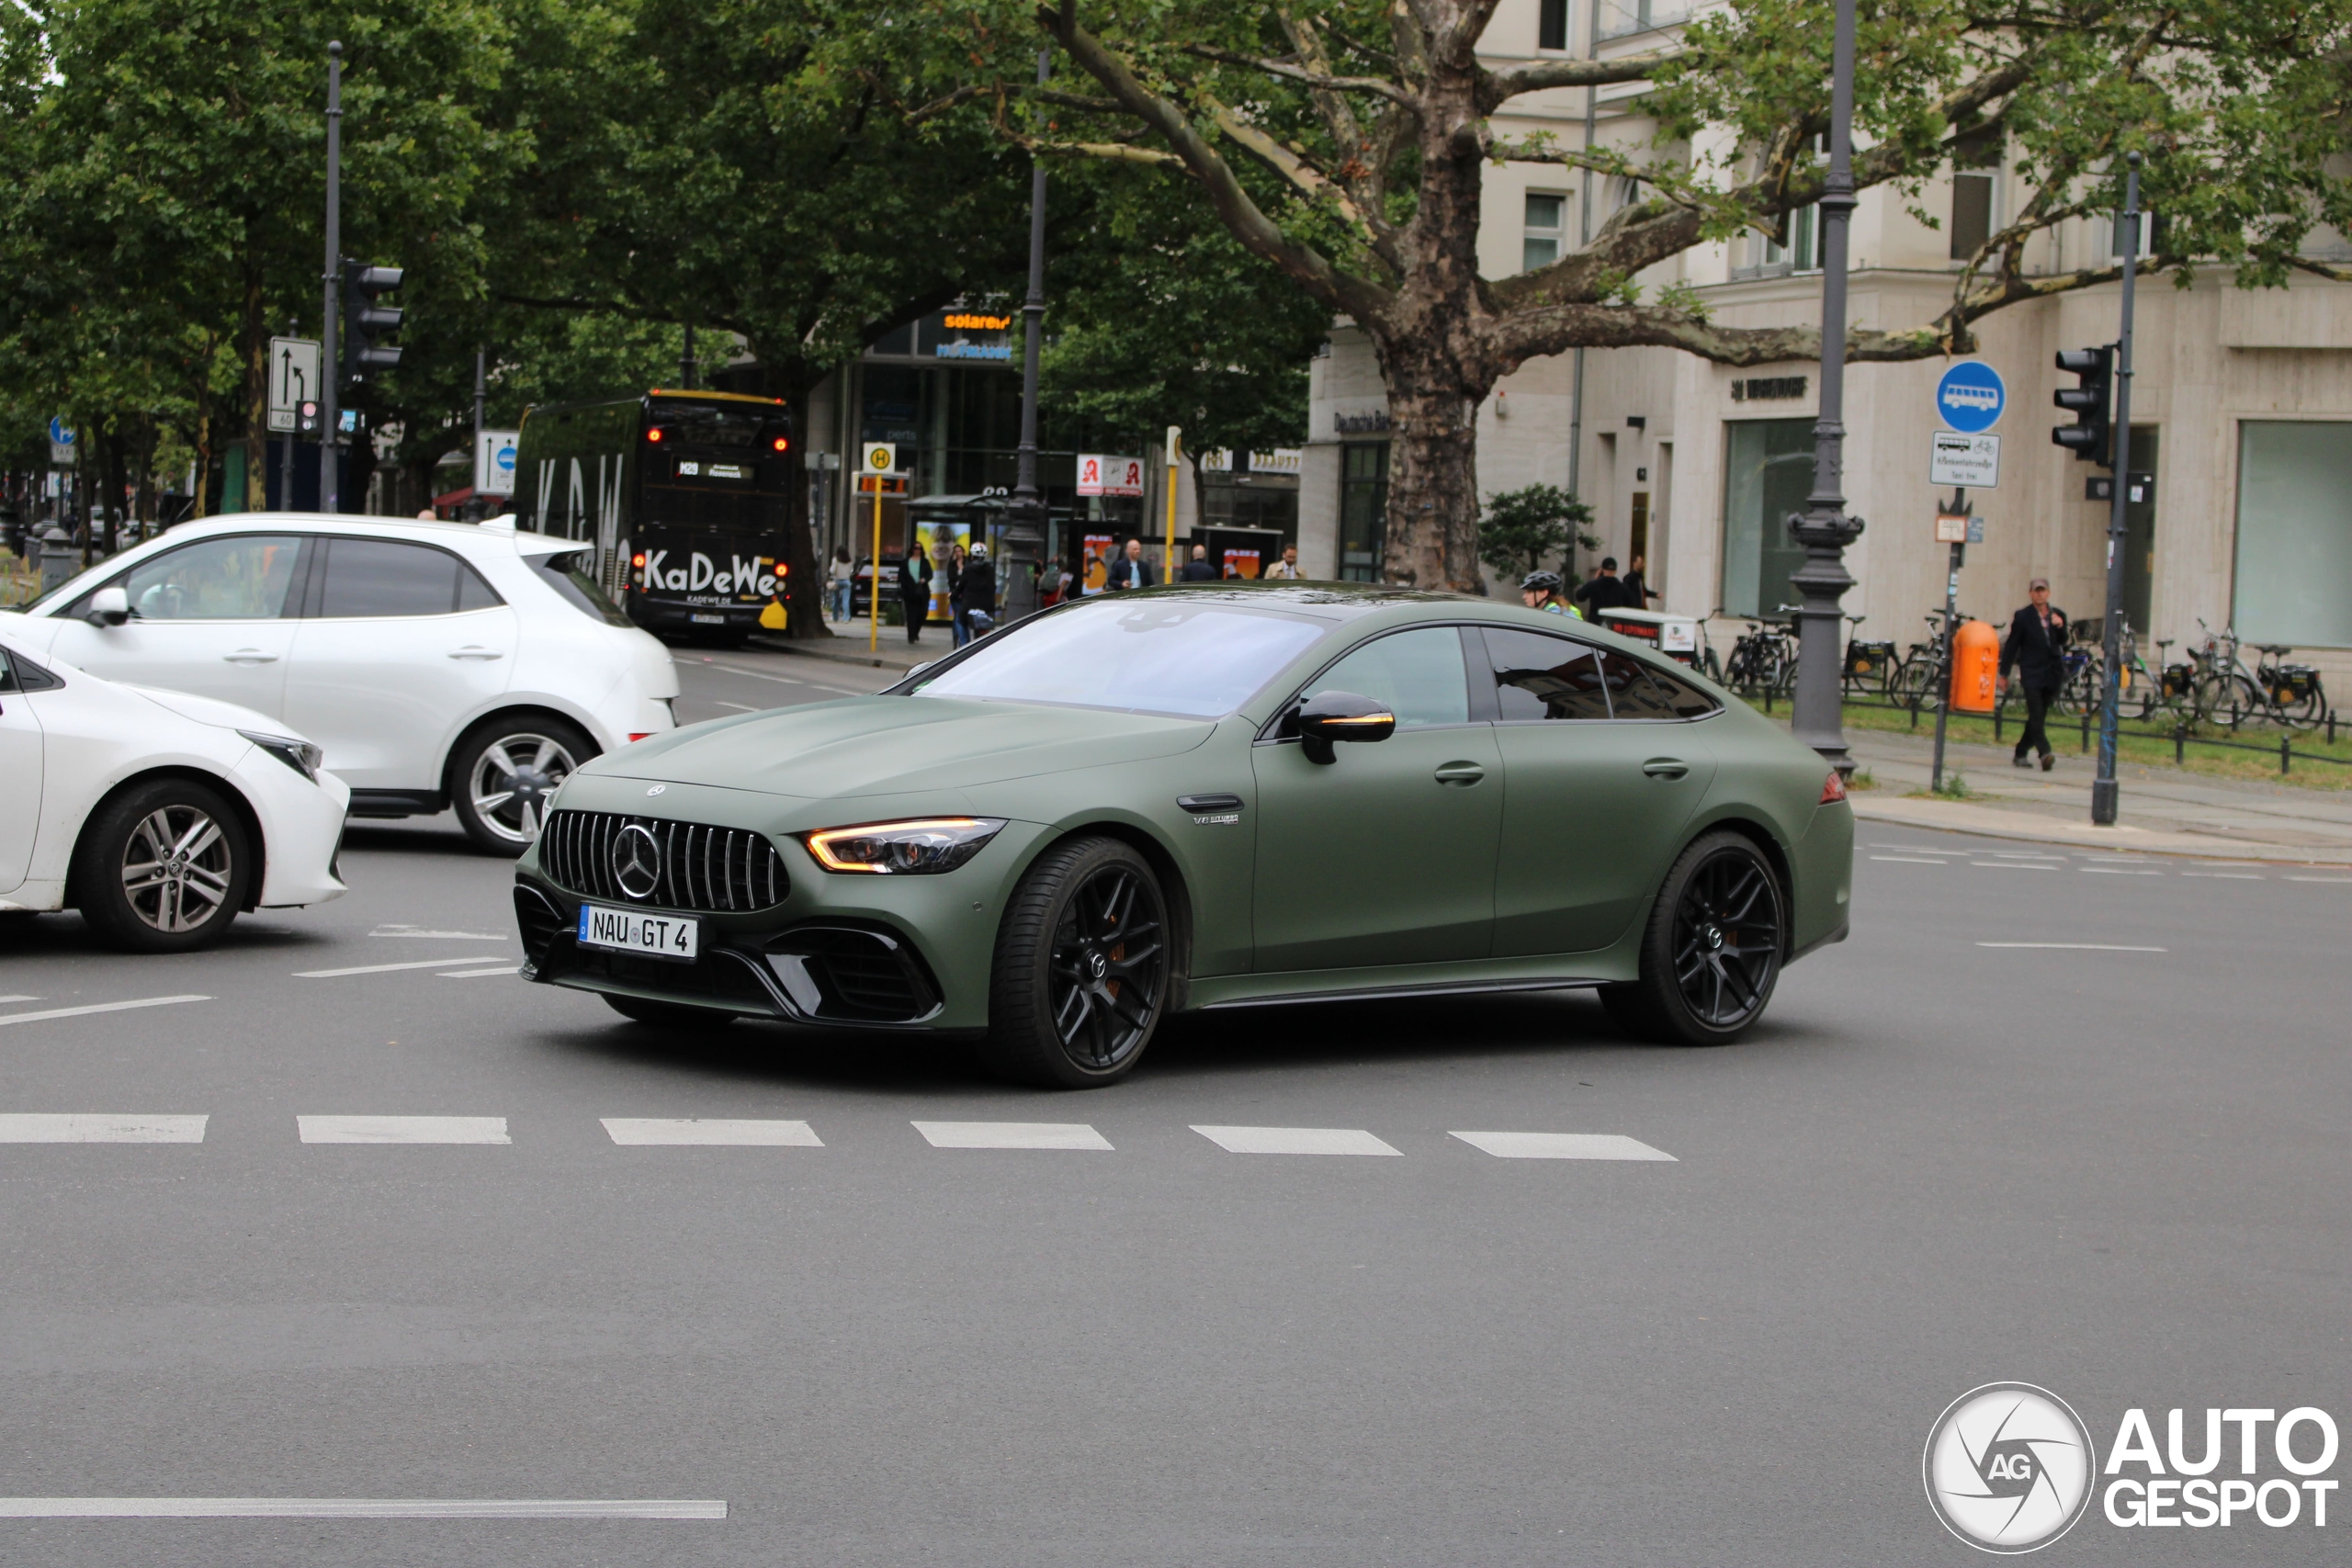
x=1711, y=952
x=164, y=867
x=503, y=771
x=1081, y=968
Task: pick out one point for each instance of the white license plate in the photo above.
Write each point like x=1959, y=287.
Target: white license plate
x=631, y=931
x=707, y=620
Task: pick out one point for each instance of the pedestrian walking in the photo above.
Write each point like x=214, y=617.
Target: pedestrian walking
x=1638, y=592
x=914, y=592
x=1131, y=571
x=1285, y=569
x=2036, y=646
x=1198, y=568
x=980, y=594
x=957, y=632
x=841, y=583
x=1604, y=592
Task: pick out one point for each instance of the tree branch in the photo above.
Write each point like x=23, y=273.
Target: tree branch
x=1314, y=79
x=1499, y=87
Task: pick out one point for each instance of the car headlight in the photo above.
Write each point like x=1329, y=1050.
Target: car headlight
x=932, y=844
x=298, y=755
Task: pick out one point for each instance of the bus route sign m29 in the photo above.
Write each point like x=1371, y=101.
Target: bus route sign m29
x=1970, y=397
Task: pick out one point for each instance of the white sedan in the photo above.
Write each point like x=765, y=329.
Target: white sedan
x=159, y=815
x=437, y=664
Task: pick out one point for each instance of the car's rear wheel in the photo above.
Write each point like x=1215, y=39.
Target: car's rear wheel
x=666, y=1015
x=1711, y=952
x=164, y=867
x=503, y=772
x=1081, y=968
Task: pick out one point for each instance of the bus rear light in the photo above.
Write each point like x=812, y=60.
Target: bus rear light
x=637, y=559
x=783, y=444
x=654, y=433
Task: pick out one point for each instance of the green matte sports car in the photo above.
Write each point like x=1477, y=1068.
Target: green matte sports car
x=1203, y=797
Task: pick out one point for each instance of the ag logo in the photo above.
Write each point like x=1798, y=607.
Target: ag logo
x=636, y=861
x=2008, y=1467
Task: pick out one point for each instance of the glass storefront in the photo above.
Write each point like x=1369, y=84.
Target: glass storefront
x=2294, y=558
x=1767, y=474
x=1364, y=509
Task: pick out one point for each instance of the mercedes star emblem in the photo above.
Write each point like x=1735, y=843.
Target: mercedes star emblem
x=636, y=861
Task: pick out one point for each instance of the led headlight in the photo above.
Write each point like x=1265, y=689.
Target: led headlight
x=298, y=755
x=932, y=844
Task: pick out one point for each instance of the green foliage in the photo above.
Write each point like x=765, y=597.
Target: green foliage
x=1523, y=528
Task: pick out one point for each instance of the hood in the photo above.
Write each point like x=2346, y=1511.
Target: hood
x=887, y=745
x=209, y=710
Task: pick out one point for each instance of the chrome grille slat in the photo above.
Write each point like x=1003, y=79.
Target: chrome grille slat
x=716, y=870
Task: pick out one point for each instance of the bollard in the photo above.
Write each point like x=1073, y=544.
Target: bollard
x=2283, y=756
x=57, y=562
x=1915, y=712
x=1998, y=709
x=2331, y=727
x=2086, y=729
x=2179, y=744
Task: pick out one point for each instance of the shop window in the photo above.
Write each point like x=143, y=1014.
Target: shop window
x=1768, y=475
x=2294, y=565
x=1546, y=231
x=1364, y=510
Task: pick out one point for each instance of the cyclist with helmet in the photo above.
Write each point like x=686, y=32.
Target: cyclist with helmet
x=1541, y=590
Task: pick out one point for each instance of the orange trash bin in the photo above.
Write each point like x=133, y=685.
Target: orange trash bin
x=1975, y=667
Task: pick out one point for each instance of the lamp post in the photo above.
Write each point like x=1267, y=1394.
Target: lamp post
x=2104, y=789
x=330, y=360
x=1024, y=512
x=1823, y=528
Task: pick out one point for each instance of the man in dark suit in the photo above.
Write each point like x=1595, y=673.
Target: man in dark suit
x=2036, y=646
x=1604, y=592
x=914, y=589
x=1131, y=571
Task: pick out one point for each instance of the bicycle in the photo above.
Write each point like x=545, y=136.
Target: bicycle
x=1764, y=656
x=1869, y=665
x=2225, y=691
x=1920, y=677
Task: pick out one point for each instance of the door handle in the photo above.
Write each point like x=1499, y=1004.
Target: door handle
x=1462, y=773
x=249, y=656
x=476, y=654
x=1665, y=767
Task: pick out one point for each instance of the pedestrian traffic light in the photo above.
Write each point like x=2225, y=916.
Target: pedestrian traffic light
x=365, y=320
x=306, y=417
x=2092, y=402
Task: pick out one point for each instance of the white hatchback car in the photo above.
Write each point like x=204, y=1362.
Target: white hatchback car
x=157, y=814
x=436, y=664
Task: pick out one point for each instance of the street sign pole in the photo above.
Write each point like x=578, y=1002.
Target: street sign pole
x=2104, y=788
x=1174, y=435
x=1952, y=616
x=330, y=362
x=476, y=506
x=880, y=457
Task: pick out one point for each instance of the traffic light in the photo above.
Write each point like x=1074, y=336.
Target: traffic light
x=365, y=320
x=2092, y=403
x=306, y=417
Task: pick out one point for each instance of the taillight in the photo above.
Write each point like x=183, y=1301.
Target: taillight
x=1833, y=787
x=640, y=735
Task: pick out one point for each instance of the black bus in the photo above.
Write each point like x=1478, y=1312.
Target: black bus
x=681, y=493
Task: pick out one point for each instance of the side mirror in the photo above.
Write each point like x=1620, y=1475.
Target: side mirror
x=1327, y=716
x=109, y=607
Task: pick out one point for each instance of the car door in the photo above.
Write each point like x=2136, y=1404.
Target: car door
x=20, y=764
x=398, y=642
x=1385, y=855
x=1601, y=766
x=213, y=617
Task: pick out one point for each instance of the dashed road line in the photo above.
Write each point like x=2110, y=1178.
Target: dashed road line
x=1012, y=1135
x=438, y=936
x=645, y=1132
x=1561, y=1145
x=2011, y=865
x=99, y=1127
x=2226, y=876
x=388, y=968
x=18, y=1000
x=1911, y=860
x=2338, y=879
x=95, y=1007
x=2076, y=946
x=1295, y=1141
x=2115, y=870
x=403, y=1129
x=362, y=1508
x=476, y=974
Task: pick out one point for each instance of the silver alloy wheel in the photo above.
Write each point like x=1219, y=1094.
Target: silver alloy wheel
x=512, y=781
x=177, y=868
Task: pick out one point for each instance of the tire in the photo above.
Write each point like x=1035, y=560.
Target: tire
x=539, y=750
x=1080, y=977
x=666, y=1015
x=1721, y=897
x=164, y=867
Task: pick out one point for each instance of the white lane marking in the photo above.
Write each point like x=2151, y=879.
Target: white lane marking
x=472, y=973
x=2114, y=871
x=99, y=1127
x=96, y=1007
x=738, y=708
x=2011, y=865
x=1561, y=1145
x=1919, y=849
x=1910, y=860
x=1295, y=1141
x=388, y=968
x=19, y=998
x=2225, y=875
x=2021, y=854
x=643, y=1131
x=438, y=936
x=788, y=680
x=403, y=1129
x=2076, y=946
x=362, y=1508
x=1012, y=1135
x=2320, y=879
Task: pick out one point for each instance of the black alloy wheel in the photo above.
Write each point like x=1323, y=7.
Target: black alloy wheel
x=164, y=867
x=1711, y=951
x=1081, y=968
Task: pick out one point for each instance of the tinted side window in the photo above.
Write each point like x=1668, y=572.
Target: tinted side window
x=1630, y=691
x=242, y=578
x=1419, y=674
x=1687, y=700
x=1545, y=677
x=382, y=578
x=570, y=575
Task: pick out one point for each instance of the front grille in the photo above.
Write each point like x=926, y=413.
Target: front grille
x=724, y=870
x=538, y=921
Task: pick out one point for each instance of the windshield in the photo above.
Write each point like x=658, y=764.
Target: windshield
x=1140, y=655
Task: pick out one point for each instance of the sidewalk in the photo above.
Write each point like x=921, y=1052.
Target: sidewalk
x=2163, y=811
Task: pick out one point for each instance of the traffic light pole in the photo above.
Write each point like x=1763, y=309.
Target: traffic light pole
x=2104, y=789
x=330, y=361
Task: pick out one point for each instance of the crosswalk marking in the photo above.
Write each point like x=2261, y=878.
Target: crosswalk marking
x=1561, y=1145
x=95, y=1007
x=1295, y=1141
x=403, y=1129
x=362, y=1508
x=99, y=1127
x=716, y=1131
x=1012, y=1135
x=388, y=968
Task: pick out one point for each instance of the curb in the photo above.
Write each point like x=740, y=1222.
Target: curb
x=813, y=650
x=1992, y=822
